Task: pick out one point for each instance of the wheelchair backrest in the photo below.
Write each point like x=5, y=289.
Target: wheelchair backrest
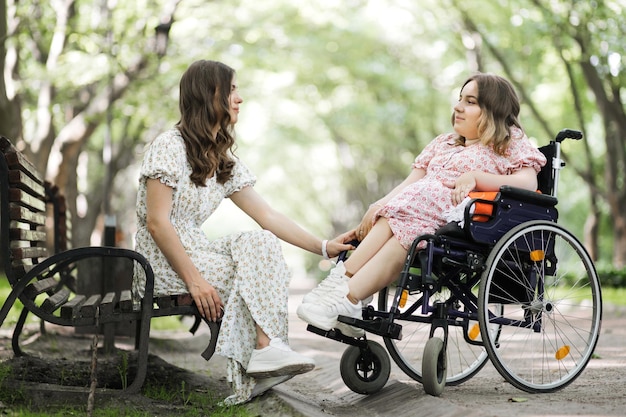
x=546, y=176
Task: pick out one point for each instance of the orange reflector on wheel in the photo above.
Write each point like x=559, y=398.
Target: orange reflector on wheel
x=403, y=297
x=474, y=332
x=537, y=255
x=562, y=352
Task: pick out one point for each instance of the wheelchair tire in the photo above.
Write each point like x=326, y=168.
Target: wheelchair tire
x=434, y=367
x=463, y=360
x=365, y=371
x=551, y=306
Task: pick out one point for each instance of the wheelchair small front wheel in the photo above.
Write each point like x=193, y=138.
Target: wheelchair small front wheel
x=434, y=367
x=365, y=370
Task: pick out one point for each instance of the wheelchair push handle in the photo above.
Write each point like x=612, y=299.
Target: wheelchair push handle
x=568, y=134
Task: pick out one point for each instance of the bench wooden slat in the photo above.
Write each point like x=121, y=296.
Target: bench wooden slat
x=70, y=309
x=23, y=180
x=22, y=198
x=62, y=220
x=24, y=215
x=52, y=303
x=16, y=160
x=164, y=301
x=126, y=301
x=33, y=289
x=107, y=306
x=184, y=300
x=29, y=253
x=90, y=307
x=30, y=235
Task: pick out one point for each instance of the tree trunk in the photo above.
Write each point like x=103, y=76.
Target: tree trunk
x=10, y=117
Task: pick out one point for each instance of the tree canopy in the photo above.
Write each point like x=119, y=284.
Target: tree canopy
x=339, y=96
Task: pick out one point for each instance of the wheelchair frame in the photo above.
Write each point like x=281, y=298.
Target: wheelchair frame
x=511, y=287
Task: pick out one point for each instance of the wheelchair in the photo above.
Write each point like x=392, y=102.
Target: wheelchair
x=510, y=286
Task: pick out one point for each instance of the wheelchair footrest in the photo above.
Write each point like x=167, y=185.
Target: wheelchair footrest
x=377, y=326
x=335, y=334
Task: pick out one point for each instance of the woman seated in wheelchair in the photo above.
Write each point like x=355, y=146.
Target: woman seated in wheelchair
x=487, y=149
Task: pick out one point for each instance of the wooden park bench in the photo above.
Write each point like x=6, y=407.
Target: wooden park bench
x=45, y=283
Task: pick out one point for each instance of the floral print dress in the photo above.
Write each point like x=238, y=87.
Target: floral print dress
x=247, y=269
x=422, y=206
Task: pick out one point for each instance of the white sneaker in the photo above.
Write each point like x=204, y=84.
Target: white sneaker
x=349, y=331
x=323, y=314
x=277, y=359
x=335, y=278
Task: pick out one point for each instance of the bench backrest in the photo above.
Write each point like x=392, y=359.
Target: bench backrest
x=62, y=221
x=23, y=212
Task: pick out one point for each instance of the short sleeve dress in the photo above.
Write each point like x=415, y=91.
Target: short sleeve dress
x=248, y=268
x=420, y=208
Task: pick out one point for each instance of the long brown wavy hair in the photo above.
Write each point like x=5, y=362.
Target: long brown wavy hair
x=204, y=103
x=500, y=110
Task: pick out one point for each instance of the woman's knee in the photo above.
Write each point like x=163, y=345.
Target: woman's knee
x=267, y=237
x=259, y=240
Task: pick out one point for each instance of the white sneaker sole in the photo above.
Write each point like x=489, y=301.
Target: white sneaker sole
x=265, y=384
x=349, y=331
x=288, y=369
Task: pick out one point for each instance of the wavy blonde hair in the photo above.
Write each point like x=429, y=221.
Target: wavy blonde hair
x=500, y=109
x=204, y=103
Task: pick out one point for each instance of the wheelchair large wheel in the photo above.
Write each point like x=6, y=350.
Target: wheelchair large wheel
x=552, y=306
x=365, y=370
x=463, y=359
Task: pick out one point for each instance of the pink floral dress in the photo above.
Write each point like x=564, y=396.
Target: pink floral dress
x=247, y=269
x=420, y=208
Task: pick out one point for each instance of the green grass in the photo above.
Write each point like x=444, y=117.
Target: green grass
x=180, y=401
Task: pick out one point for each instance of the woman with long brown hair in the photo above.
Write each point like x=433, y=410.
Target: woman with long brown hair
x=241, y=279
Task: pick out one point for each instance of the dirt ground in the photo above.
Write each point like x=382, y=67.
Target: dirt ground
x=599, y=391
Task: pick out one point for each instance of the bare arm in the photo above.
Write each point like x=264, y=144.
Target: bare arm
x=525, y=178
x=159, y=205
x=248, y=200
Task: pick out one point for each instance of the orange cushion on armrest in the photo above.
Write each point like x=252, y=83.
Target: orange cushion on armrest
x=483, y=211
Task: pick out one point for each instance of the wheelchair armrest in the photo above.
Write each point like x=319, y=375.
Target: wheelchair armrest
x=528, y=196
x=488, y=220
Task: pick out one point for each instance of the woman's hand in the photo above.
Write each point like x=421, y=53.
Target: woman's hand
x=462, y=186
x=341, y=243
x=207, y=299
x=367, y=222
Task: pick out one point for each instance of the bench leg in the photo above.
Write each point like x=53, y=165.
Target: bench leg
x=142, y=344
x=215, y=331
x=17, y=331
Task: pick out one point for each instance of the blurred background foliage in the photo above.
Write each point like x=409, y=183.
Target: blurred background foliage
x=339, y=98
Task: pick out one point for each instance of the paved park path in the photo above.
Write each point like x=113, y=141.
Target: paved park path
x=599, y=391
